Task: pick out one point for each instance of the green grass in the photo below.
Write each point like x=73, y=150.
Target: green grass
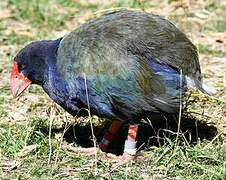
x=203, y=49
x=204, y=160
x=15, y=137
x=39, y=19
x=40, y=13
x=52, y=14
x=4, y=100
x=216, y=26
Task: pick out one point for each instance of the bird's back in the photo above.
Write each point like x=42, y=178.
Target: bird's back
x=111, y=36
x=132, y=59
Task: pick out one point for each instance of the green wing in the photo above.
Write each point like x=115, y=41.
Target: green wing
x=110, y=51
x=107, y=41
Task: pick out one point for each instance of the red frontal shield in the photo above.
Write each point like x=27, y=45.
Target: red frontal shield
x=18, y=82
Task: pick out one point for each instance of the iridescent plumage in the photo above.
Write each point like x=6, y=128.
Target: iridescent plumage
x=132, y=62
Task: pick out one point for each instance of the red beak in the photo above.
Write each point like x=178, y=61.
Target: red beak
x=18, y=82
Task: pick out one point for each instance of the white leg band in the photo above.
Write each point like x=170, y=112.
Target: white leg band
x=130, y=147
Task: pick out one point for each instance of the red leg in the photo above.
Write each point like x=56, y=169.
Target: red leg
x=130, y=147
x=130, y=144
x=103, y=145
x=109, y=135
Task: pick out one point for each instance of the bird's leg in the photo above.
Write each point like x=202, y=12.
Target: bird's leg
x=129, y=148
x=103, y=145
x=109, y=135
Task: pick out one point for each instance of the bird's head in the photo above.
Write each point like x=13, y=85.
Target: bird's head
x=31, y=64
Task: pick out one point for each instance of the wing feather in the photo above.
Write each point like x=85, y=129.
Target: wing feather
x=118, y=52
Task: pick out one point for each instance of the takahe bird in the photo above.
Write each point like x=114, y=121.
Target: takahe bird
x=123, y=66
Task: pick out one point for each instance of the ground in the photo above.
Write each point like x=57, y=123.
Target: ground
x=34, y=131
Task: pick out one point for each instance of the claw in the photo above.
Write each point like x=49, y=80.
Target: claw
x=86, y=151
x=120, y=160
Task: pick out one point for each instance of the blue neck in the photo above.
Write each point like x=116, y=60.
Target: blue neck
x=57, y=87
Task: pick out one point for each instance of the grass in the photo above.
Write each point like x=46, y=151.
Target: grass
x=40, y=12
x=24, y=123
x=203, y=160
x=217, y=26
x=210, y=51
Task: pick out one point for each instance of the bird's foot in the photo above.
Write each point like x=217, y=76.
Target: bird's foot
x=120, y=160
x=85, y=151
x=88, y=151
x=117, y=160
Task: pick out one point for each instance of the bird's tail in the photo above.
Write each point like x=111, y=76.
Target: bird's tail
x=203, y=85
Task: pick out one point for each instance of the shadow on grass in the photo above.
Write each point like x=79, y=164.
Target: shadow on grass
x=155, y=133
